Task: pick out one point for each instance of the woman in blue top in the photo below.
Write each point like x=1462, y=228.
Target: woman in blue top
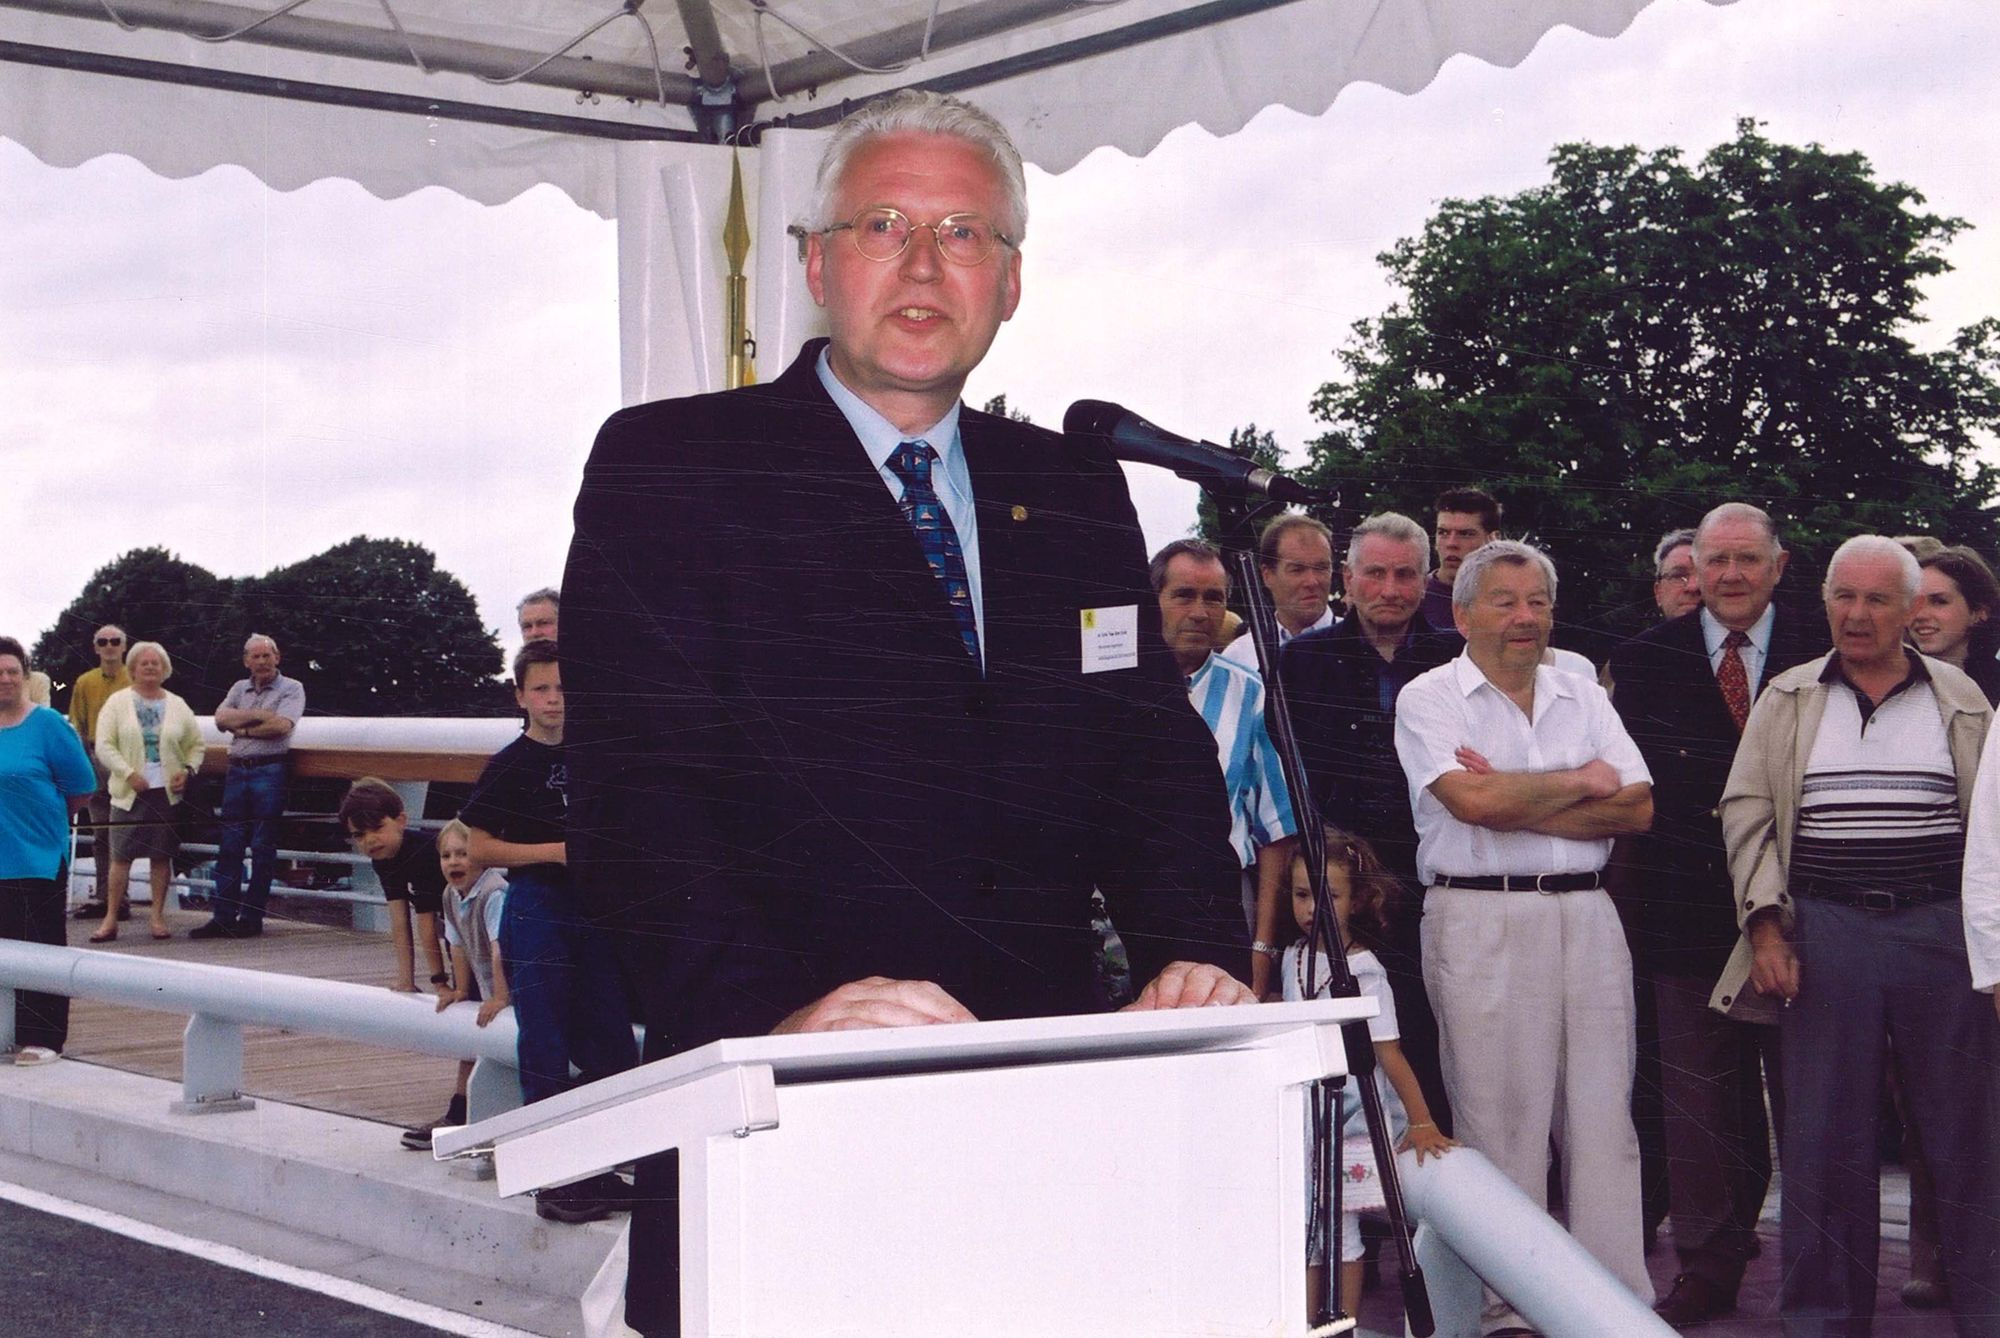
x=45, y=777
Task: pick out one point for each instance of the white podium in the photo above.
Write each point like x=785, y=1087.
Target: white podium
x=1133, y=1173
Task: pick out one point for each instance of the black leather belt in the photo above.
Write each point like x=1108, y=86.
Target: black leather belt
x=261, y=760
x=1523, y=882
x=1873, y=899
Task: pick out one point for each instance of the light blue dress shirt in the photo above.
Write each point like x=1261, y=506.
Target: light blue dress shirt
x=1752, y=655
x=953, y=481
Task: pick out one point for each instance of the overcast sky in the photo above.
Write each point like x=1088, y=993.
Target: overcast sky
x=248, y=377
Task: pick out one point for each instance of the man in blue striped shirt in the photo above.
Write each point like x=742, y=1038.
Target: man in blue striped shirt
x=1193, y=589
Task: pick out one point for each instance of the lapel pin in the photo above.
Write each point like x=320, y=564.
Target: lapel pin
x=1020, y=513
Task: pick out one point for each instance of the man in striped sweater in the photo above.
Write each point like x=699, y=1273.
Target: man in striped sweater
x=1845, y=818
x=1193, y=589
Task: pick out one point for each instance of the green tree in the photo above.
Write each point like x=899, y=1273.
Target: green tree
x=154, y=596
x=371, y=627
x=1616, y=351
x=997, y=406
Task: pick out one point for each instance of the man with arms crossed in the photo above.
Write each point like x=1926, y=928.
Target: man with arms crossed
x=866, y=689
x=1520, y=776
x=258, y=715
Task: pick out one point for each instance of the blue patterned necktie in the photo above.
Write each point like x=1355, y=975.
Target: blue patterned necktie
x=911, y=463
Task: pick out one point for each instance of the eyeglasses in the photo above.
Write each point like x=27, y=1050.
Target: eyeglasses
x=883, y=233
x=111, y=641
x=1681, y=577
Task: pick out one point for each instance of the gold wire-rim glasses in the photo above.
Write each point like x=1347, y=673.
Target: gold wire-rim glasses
x=962, y=238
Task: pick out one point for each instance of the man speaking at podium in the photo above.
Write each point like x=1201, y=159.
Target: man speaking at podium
x=866, y=689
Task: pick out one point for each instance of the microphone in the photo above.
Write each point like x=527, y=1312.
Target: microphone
x=1216, y=468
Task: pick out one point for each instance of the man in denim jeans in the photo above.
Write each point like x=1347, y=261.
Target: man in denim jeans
x=258, y=714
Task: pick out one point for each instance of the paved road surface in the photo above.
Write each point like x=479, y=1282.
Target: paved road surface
x=64, y=1279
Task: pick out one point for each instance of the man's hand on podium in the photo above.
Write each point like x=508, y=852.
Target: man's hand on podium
x=1191, y=985
x=876, y=1002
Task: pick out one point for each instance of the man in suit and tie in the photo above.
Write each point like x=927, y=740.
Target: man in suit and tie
x=866, y=689
x=1684, y=689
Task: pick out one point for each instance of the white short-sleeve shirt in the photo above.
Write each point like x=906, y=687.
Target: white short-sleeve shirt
x=1455, y=706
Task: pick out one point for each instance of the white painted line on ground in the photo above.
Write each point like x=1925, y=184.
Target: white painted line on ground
x=326, y=1284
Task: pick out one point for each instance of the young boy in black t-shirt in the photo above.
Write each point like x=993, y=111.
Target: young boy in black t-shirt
x=568, y=1004
x=406, y=862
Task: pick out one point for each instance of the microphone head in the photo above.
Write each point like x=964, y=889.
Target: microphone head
x=1092, y=418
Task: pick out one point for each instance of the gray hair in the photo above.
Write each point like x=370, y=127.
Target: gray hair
x=1393, y=525
x=1756, y=515
x=1514, y=553
x=916, y=111
x=1669, y=541
x=139, y=648
x=254, y=638
x=548, y=594
x=1156, y=570
x=1876, y=545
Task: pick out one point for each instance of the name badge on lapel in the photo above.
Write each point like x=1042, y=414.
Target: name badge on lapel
x=1110, y=638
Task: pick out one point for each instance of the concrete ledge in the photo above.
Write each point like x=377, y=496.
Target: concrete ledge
x=328, y=1181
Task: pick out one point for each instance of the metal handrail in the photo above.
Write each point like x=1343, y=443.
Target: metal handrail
x=221, y=1000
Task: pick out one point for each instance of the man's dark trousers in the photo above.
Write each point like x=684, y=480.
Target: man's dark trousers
x=1870, y=979
x=253, y=802
x=1682, y=924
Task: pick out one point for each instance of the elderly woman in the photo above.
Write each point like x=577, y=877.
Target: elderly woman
x=45, y=777
x=1954, y=617
x=149, y=743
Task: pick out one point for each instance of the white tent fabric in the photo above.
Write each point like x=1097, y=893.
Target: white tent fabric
x=1066, y=79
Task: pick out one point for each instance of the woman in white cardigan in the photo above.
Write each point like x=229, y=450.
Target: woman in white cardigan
x=148, y=741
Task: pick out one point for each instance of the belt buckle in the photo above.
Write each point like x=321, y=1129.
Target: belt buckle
x=1540, y=881
x=1878, y=901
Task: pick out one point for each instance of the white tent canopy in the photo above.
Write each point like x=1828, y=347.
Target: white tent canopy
x=621, y=105
x=139, y=77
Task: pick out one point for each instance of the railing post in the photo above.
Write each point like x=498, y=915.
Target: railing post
x=494, y=1089
x=7, y=1046
x=211, y=1068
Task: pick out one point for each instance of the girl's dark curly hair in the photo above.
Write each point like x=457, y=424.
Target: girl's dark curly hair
x=1375, y=888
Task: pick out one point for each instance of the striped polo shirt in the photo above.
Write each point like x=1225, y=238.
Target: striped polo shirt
x=1230, y=700
x=1878, y=808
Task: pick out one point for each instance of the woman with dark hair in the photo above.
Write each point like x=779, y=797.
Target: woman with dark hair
x=1954, y=618
x=45, y=777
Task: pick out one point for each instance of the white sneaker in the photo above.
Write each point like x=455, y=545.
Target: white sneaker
x=28, y=1056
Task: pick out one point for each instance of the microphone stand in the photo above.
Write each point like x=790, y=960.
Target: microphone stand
x=1239, y=547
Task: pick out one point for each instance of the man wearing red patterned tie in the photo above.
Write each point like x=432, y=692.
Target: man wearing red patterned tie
x=1684, y=689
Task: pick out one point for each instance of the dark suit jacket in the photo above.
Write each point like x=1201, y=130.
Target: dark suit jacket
x=785, y=771
x=1685, y=919
x=1346, y=738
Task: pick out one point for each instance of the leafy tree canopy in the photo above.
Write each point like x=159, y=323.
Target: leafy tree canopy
x=1615, y=352
x=371, y=627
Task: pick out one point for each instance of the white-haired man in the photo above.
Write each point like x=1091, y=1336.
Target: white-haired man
x=1684, y=689
x=1520, y=776
x=258, y=714
x=1845, y=816
x=866, y=689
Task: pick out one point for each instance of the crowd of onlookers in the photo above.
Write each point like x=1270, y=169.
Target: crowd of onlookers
x=481, y=903
x=1732, y=859
x=1749, y=859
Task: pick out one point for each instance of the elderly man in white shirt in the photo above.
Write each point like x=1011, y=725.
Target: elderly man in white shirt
x=1520, y=776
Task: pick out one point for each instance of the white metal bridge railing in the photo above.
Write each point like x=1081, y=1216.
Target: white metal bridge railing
x=222, y=1000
